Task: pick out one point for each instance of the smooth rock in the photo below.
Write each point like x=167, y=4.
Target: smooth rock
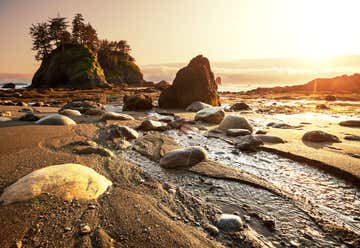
x=350, y=123
x=234, y=132
x=240, y=106
x=29, y=117
x=9, y=86
x=67, y=181
x=235, y=122
x=56, y=119
x=248, y=143
x=352, y=137
x=85, y=107
x=197, y=106
x=229, y=223
x=213, y=115
x=182, y=158
x=320, y=136
x=70, y=112
x=121, y=131
x=116, y=116
x=270, y=139
x=137, y=103
x=150, y=125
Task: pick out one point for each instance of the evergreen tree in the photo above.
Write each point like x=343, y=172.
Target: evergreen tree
x=57, y=28
x=90, y=38
x=78, y=28
x=41, y=40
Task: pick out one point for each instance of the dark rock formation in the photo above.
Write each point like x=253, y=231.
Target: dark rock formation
x=70, y=66
x=137, y=102
x=350, y=123
x=239, y=106
x=162, y=85
x=9, y=86
x=320, y=136
x=192, y=83
x=85, y=107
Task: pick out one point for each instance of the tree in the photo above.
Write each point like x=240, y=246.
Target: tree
x=57, y=28
x=41, y=40
x=90, y=38
x=78, y=28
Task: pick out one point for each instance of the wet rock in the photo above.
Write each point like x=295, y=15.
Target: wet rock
x=121, y=131
x=195, y=82
x=137, y=103
x=116, y=116
x=355, y=155
x=123, y=144
x=182, y=158
x=261, y=132
x=212, y=115
x=350, y=123
x=235, y=122
x=239, y=106
x=56, y=119
x=67, y=181
x=150, y=125
x=5, y=114
x=39, y=104
x=213, y=230
x=26, y=110
x=95, y=150
x=85, y=229
x=270, y=139
x=330, y=98
x=3, y=119
x=70, y=112
x=352, y=137
x=85, y=107
x=320, y=136
x=29, y=117
x=197, y=106
x=23, y=104
x=229, y=223
x=280, y=125
x=237, y=132
x=8, y=103
x=248, y=143
x=9, y=86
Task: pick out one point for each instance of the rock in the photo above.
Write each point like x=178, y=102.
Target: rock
x=123, y=144
x=70, y=66
x=29, y=117
x=26, y=110
x=39, y=104
x=85, y=107
x=248, y=143
x=352, y=137
x=229, y=223
x=320, y=136
x=56, y=119
x=121, y=131
x=322, y=106
x=162, y=85
x=280, y=125
x=270, y=139
x=85, y=229
x=23, y=104
x=350, y=123
x=235, y=122
x=240, y=106
x=355, y=155
x=8, y=103
x=213, y=115
x=3, y=119
x=9, y=86
x=182, y=158
x=261, y=132
x=70, y=112
x=95, y=150
x=237, y=132
x=330, y=98
x=195, y=82
x=5, y=114
x=197, y=106
x=67, y=181
x=137, y=103
x=116, y=116
x=213, y=230
x=150, y=125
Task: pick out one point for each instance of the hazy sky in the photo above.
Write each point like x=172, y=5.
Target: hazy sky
x=162, y=31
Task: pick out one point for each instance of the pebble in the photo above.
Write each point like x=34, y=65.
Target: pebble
x=85, y=229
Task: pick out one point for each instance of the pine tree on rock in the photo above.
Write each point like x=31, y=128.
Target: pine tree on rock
x=41, y=40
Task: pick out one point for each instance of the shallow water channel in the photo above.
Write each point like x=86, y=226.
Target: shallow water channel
x=334, y=200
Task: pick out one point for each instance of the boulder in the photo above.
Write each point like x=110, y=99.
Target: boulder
x=137, y=103
x=350, y=123
x=183, y=158
x=270, y=139
x=240, y=106
x=229, y=223
x=56, y=119
x=70, y=112
x=248, y=143
x=213, y=115
x=237, y=132
x=67, y=181
x=162, y=85
x=121, y=131
x=195, y=82
x=29, y=117
x=85, y=107
x=9, y=86
x=235, y=122
x=320, y=136
x=116, y=116
x=197, y=106
x=150, y=125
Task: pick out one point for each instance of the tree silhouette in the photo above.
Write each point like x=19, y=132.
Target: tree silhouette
x=78, y=28
x=57, y=29
x=41, y=40
x=90, y=38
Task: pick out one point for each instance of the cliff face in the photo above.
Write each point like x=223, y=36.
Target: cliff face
x=119, y=70
x=71, y=66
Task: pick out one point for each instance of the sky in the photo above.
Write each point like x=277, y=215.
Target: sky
x=169, y=31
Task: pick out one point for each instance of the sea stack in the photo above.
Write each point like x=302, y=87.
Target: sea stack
x=195, y=82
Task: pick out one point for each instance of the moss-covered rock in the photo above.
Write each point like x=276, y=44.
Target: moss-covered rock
x=119, y=70
x=70, y=66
